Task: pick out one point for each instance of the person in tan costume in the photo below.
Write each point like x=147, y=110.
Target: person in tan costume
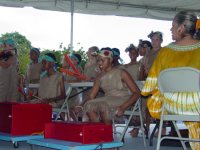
x=8, y=72
x=51, y=89
x=133, y=66
x=120, y=91
x=91, y=69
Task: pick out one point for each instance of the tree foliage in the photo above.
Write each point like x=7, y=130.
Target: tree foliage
x=23, y=47
x=66, y=50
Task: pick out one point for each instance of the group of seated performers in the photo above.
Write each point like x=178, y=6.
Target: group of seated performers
x=114, y=89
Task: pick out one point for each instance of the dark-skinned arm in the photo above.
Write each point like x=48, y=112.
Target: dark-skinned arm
x=135, y=93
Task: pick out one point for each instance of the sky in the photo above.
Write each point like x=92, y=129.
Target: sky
x=48, y=29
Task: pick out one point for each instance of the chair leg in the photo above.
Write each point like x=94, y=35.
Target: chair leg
x=128, y=122
x=153, y=133
x=113, y=126
x=125, y=128
x=137, y=108
x=142, y=123
x=179, y=135
x=159, y=134
x=146, y=131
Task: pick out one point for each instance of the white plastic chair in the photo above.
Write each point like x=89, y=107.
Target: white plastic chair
x=133, y=111
x=172, y=80
x=65, y=106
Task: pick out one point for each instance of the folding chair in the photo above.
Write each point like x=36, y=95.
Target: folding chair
x=133, y=111
x=173, y=80
x=64, y=107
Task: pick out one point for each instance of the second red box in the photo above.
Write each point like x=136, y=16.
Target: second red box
x=85, y=133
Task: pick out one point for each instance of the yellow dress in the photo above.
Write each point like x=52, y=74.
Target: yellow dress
x=173, y=56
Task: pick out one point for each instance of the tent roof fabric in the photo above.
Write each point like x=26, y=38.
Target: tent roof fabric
x=155, y=9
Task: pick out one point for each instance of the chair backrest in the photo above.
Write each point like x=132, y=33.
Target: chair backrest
x=68, y=89
x=140, y=84
x=182, y=79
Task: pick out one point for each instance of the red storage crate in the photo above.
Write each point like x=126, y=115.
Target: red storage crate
x=24, y=119
x=85, y=133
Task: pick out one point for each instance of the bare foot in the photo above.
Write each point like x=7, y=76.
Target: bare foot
x=134, y=132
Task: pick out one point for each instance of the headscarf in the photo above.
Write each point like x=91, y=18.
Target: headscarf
x=36, y=50
x=106, y=53
x=48, y=57
x=116, y=52
x=9, y=42
x=130, y=48
x=72, y=56
x=145, y=44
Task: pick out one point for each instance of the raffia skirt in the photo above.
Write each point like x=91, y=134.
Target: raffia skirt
x=104, y=104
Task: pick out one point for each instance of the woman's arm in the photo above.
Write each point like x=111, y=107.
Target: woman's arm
x=92, y=95
x=142, y=74
x=135, y=92
x=94, y=90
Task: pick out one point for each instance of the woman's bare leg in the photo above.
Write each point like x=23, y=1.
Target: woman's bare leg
x=105, y=118
x=93, y=117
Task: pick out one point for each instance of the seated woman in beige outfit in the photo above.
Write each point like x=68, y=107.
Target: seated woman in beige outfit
x=75, y=100
x=8, y=71
x=133, y=66
x=144, y=48
x=156, y=41
x=133, y=69
x=34, y=70
x=51, y=89
x=91, y=68
x=120, y=91
x=76, y=61
x=35, y=67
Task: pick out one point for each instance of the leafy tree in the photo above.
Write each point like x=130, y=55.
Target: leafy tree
x=23, y=47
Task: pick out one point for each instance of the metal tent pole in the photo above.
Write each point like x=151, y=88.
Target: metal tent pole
x=72, y=25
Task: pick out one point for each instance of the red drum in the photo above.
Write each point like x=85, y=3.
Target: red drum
x=85, y=133
x=24, y=119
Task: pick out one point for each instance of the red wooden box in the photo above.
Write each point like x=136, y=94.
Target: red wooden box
x=24, y=119
x=85, y=133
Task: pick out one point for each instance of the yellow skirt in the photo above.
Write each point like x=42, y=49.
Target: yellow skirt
x=178, y=103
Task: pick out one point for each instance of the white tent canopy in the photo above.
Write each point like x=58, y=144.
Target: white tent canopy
x=155, y=9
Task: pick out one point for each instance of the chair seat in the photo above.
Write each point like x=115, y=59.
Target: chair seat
x=181, y=118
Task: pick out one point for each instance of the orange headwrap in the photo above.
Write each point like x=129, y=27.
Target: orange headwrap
x=198, y=24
